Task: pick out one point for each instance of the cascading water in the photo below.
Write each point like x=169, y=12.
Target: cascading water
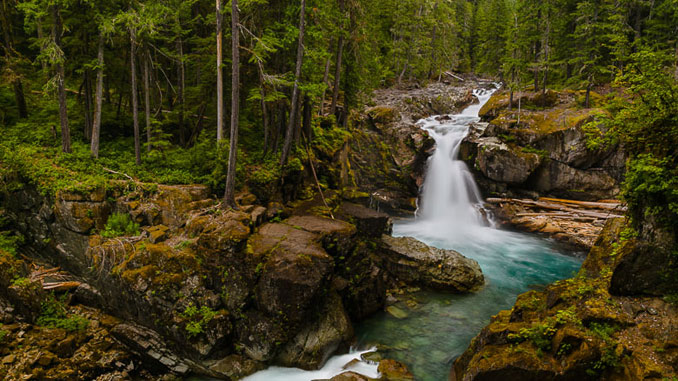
x=451, y=216
x=439, y=327
x=449, y=188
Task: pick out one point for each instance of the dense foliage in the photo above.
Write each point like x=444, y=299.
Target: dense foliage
x=90, y=79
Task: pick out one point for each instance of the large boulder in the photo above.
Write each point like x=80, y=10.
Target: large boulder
x=576, y=330
x=504, y=163
x=369, y=222
x=412, y=261
x=314, y=344
x=294, y=270
x=564, y=181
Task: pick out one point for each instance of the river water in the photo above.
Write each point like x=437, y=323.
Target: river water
x=433, y=328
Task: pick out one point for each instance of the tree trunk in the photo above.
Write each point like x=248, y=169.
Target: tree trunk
x=135, y=101
x=337, y=69
x=96, y=124
x=307, y=118
x=220, y=80
x=41, y=38
x=264, y=111
x=61, y=87
x=289, y=134
x=326, y=76
x=88, y=105
x=229, y=194
x=147, y=99
x=434, y=36
x=181, y=77
x=17, y=86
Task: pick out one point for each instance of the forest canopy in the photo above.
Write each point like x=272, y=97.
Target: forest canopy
x=103, y=88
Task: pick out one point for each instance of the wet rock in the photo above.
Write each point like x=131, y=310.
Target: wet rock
x=349, y=376
x=504, y=163
x=257, y=215
x=369, y=222
x=87, y=295
x=392, y=370
x=396, y=312
x=564, y=181
x=273, y=210
x=336, y=236
x=157, y=233
x=313, y=345
x=412, y=261
x=150, y=346
x=258, y=334
x=79, y=214
x=294, y=272
x=236, y=367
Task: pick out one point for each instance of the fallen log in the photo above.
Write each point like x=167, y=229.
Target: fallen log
x=60, y=286
x=553, y=206
x=610, y=205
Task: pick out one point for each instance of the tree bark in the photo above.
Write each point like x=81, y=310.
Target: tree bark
x=264, y=110
x=181, y=78
x=307, y=118
x=96, y=123
x=289, y=134
x=220, y=80
x=17, y=86
x=57, y=29
x=326, y=76
x=135, y=101
x=337, y=69
x=147, y=99
x=87, y=84
x=229, y=194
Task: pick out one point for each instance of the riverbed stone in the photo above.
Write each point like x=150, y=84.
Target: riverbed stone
x=412, y=261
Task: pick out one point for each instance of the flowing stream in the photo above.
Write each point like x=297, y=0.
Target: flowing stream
x=432, y=329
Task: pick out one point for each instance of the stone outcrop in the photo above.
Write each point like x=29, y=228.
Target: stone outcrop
x=543, y=149
x=415, y=262
x=503, y=163
x=577, y=330
x=387, y=153
x=220, y=293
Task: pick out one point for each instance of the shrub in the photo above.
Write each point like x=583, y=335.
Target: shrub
x=198, y=319
x=120, y=224
x=55, y=315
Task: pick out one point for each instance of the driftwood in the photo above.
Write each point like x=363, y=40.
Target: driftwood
x=60, y=286
x=118, y=173
x=565, y=207
x=609, y=205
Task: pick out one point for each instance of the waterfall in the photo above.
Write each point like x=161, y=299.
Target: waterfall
x=449, y=194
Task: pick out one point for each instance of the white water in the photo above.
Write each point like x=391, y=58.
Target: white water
x=450, y=217
x=450, y=194
x=334, y=366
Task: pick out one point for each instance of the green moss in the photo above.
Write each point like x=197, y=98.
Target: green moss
x=530, y=149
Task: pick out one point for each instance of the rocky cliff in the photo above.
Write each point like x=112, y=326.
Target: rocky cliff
x=199, y=290
x=541, y=148
x=607, y=323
